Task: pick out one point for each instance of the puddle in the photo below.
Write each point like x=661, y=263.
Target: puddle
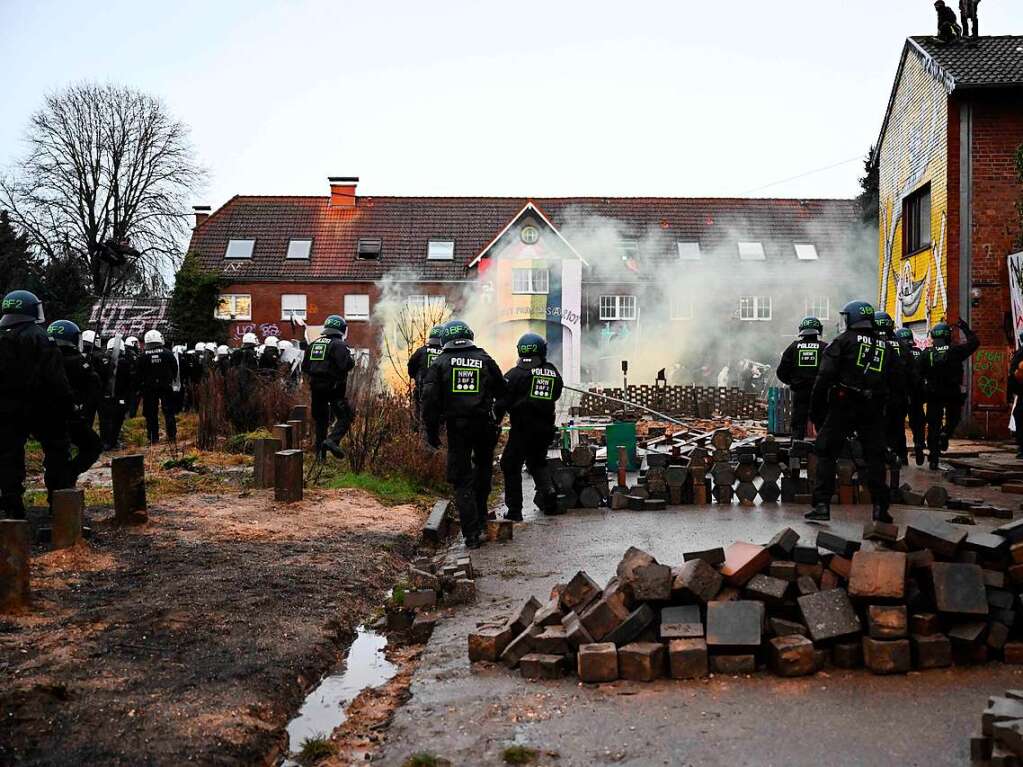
x=324, y=707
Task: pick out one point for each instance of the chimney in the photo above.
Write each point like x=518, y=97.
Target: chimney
x=342, y=191
x=202, y=212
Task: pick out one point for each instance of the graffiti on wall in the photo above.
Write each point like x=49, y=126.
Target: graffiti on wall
x=1016, y=292
x=914, y=153
x=988, y=370
x=261, y=330
x=129, y=317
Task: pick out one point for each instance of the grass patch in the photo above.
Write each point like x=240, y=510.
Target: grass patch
x=519, y=755
x=424, y=759
x=315, y=749
x=390, y=490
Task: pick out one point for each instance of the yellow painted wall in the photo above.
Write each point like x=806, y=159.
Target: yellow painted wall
x=914, y=152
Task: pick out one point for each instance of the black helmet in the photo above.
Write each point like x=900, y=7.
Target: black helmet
x=334, y=325
x=942, y=331
x=905, y=335
x=883, y=321
x=810, y=326
x=532, y=345
x=458, y=335
x=64, y=333
x=21, y=306
x=858, y=315
x=436, y=337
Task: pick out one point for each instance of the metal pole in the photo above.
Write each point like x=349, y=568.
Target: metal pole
x=662, y=416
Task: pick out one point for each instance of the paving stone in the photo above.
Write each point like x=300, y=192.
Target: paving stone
x=839, y=544
x=15, y=564
x=783, y=542
x=728, y=594
x=887, y=621
x=597, y=662
x=418, y=598
x=652, y=583
x=542, y=666
x=993, y=579
x=881, y=531
x=641, y=661
x=575, y=632
x=1008, y=736
x=936, y=497
x=681, y=622
x=462, y=592
x=878, y=575
x=829, y=615
x=733, y=664
x=806, y=585
x=735, y=624
x=687, y=658
x=1016, y=553
x=715, y=556
x=792, y=655
x=805, y=553
x=1000, y=599
x=604, y=616
x=766, y=588
x=1012, y=653
x=781, y=627
x=548, y=615
x=784, y=570
x=423, y=626
x=999, y=709
x=840, y=566
x=959, y=589
x=1012, y=532
x=632, y=626
x=421, y=579
x=924, y=624
x=931, y=651
x=847, y=654
x=525, y=615
x=632, y=560
x=128, y=482
x=579, y=592
x=66, y=509
x=500, y=530
x=519, y=647
x=986, y=544
x=814, y=571
x=940, y=537
x=967, y=633
x=696, y=581
x=553, y=640
x=887, y=656
x=997, y=635
x=743, y=561
x=980, y=748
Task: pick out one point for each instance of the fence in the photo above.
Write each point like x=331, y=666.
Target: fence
x=676, y=401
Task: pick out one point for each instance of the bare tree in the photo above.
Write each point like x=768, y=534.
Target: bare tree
x=405, y=331
x=106, y=167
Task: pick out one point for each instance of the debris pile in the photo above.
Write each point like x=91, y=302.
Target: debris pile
x=431, y=583
x=924, y=596
x=1000, y=741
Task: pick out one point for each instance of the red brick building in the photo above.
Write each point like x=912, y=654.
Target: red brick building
x=604, y=279
x=948, y=194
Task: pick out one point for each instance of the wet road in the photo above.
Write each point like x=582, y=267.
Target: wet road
x=469, y=715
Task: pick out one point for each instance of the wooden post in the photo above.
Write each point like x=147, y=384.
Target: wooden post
x=263, y=461
x=285, y=434
x=299, y=413
x=297, y=433
x=15, y=552
x=288, y=476
x=128, y=473
x=623, y=461
x=67, y=517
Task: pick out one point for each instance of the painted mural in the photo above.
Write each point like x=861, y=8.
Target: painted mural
x=914, y=153
x=1016, y=292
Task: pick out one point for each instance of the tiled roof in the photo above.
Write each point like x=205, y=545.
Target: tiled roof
x=980, y=62
x=406, y=224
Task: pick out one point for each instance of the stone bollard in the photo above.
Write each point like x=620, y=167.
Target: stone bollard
x=263, y=461
x=297, y=433
x=288, y=476
x=128, y=473
x=68, y=506
x=15, y=551
x=285, y=434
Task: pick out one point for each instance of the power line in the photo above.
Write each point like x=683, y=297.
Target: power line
x=802, y=175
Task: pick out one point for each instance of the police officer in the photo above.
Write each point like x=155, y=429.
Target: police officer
x=1015, y=389
x=460, y=389
x=130, y=350
x=532, y=388
x=222, y=361
x=87, y=391
x=798, y=370
x=270, y=358
x=849, y=396
x=328, y=363
x=245, y=355
x=35, y=399
x=897, y=404
x=420, y=362
x=911, y=354
x=941, y=368
x=116, y=375
x=157, y=373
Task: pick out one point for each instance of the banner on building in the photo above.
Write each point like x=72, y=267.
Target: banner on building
x=130, y=317
x=1016, y=292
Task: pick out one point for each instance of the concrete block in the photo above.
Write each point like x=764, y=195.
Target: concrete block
x=487, y=643
x=286, y=434
x=924, y=624
x=839, y=544
x=735, y=625
x=575, y=633
x=604, y=616
x=553, y=640
x=840, y=566
x=597, y=662
x=781, y=627
x=999, y=709
x=525, y=615
x=881, y=531
x=67, y=507
x=887, y=621
x=681, y=622
x=687, y=658
x=766, y=589
x=462, y=591
x=887, y=656
x=878, y=575
x=786, y=571
x=632, y=627
x=519, y=647
x=579, y=592
x=829, y=615
x=542, y=666
x=926, y=532
x=791, y=655
x=651, y=583
x=959, y=589
x=733, y=664
x=696, y=581
x=548, y=615
x=15, y=558
x=743, y=561
x=128, y=477
x=806, y=585
x=422, y=627
x=847, y=654
x=641, y=661
x=418, y=598
x=932, y=651
x=783, y=542
x=288, y=476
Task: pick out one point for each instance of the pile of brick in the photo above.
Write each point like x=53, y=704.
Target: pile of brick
x=431, y=583
x=580, y=480
x=924, y=596
x=1000, y=742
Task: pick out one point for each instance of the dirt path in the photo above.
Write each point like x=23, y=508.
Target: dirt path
x=192, y=638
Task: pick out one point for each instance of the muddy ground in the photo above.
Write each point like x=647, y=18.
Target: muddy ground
x=193, y=638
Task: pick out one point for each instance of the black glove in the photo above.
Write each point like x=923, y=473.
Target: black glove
x=433, y=440
x=963, y=324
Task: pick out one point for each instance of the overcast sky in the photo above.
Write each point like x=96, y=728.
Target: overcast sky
x=485, y=98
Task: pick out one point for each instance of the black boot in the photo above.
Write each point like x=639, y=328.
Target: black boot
x=513, y=516
x=332, y=446
x=473, y=542
x=881, y=514
x=821, y=513
x=919, y=456
x=933, y=464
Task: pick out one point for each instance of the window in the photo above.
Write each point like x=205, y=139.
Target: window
x=751, y=251
x=805, y=251
x=357, y=306
x=617, y=307
x=688, y=251
x=293, y=306
x=530, y=281
x=234, y=306
x=440, y=250
x=819, y=307
x=916, y=221
x=681, y=308
x=239, y=248
x=299, y=249
x=426, y=302
x=369, y=249
x=630, y=247
x=755, y=308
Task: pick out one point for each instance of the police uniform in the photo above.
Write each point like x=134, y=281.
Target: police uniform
x=911, y=354
x=327, y=363
x=418, y=364
x=87, y=391
x=459, y=390
x=941, y=368
x=157, y=372
x=798, y=370
x=1014, y=387
x=532, y=388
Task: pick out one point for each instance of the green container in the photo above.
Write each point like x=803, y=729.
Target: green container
x=619, y=434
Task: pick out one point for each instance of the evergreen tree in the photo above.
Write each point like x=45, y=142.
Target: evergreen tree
x=20, y=268
x=193, y=304
x=869, y=199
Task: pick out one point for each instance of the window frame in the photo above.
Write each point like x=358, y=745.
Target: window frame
x=758, y=245
x=247, y=256
x=369, y=240
x=234, y=301
x=756, y=304
x=428, y=299
x=356, y=317
x=308, y=253
x=617, y=302
x=629, y=247
x=809, y=305
x=673, y=307
x=678, y=250
x=532, y=289
x=912, y=221
x=287, y=314
x=438, y=240
x=816, y=253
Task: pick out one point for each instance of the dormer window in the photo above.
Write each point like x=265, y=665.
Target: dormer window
x=751, y=251
x=806, y=251
x=440, y=250
x=369, y=250
x=299, y=249
x=239, y=248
